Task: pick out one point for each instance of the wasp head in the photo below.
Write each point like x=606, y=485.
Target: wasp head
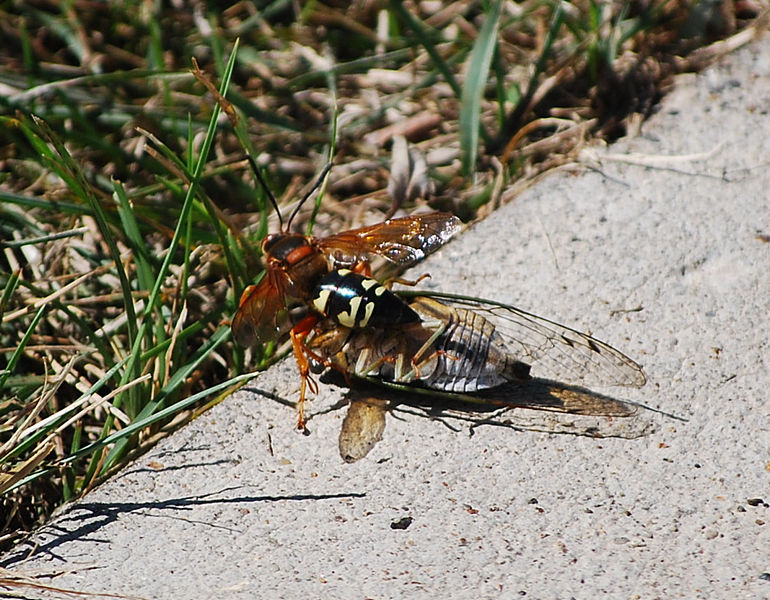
x=299, y=258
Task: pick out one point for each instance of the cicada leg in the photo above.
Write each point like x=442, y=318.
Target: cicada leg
x=326, y=349
x=395, y=350
x=365, y=365
x=440, y=329
x=417, y=361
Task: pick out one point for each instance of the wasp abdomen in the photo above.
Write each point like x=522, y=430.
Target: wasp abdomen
x=356, y=301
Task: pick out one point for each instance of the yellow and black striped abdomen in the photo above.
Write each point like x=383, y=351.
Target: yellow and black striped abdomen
x=356, y=301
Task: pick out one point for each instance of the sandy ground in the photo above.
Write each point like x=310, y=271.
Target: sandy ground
x=657, y=245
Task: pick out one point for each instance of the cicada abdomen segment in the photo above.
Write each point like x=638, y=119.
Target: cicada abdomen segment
x=465, y=353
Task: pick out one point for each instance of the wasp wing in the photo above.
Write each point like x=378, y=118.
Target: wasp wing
x=555, y=351
x=261, y=316
x=402, y=241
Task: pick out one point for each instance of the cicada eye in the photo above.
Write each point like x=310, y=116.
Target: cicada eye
x=316, y=367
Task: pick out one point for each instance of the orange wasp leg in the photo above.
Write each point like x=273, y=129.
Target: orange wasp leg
x=408, y=282
x=362, y=268
x=298, y=334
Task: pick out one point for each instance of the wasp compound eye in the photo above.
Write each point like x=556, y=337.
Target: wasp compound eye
x=287, y=248
x=269, y=242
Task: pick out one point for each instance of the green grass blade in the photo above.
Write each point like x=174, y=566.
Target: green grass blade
x=10, y=287
x=67, y=208
x=332, y=85
x=134, y=237
x=69, y=170
x=477, y=74
x=17, y=354
x=152, y=416
x=179, y=232
x=26, y=443
x=149, y=413
x=425, y=36
x=134, y=428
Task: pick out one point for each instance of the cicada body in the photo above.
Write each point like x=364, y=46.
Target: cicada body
x=466, y=345
x=471, y=350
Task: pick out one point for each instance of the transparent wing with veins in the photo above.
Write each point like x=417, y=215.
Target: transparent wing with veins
x=261, y=315
x=555, y=351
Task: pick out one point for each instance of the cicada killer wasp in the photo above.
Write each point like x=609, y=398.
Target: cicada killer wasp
x=306, y=281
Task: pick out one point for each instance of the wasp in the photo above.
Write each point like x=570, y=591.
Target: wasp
x=308, y=279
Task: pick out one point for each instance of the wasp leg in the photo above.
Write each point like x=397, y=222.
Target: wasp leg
x=298, y=334
x=362, y=268
x=388, y=283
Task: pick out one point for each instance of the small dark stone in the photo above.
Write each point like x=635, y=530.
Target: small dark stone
x=402, y=523
x=755, y=501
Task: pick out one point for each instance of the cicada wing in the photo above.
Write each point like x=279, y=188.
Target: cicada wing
x=402, y=241
x=362, y=427
x=554, y=396
x=555, y=351
x=261, y=316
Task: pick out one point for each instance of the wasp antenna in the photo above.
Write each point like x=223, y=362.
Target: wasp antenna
x=316, y=185
x=268, y=191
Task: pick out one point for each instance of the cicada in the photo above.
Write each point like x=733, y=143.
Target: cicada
x=305, y=282
x=463, y=344
x=475, y=350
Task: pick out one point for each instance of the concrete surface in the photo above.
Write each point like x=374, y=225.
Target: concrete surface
x=238, y=505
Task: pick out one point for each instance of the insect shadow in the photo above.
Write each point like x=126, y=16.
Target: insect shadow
x=537, y=405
